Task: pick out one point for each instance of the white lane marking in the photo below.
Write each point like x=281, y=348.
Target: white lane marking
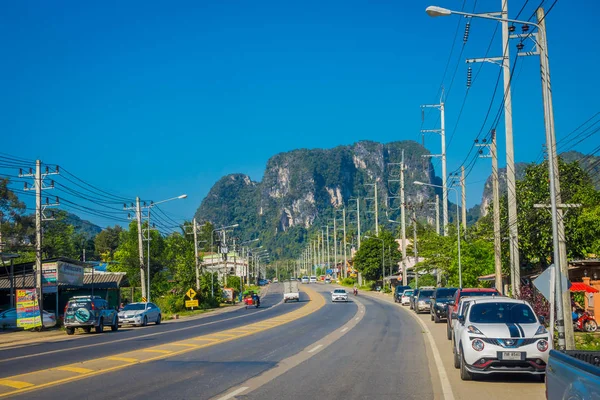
x=317, y=347
x=356, y=319
x=233, y=394
x=345, y=329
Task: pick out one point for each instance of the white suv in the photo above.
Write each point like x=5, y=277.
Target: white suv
x=501, y=335
x=339, y=295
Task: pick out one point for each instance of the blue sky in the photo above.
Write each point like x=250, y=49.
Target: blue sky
x=156, y=99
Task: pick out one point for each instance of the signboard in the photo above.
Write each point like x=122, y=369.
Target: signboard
x=191, y=293
x=69, y=274
x=542, y=282
x=191, y=303
x=28, y=311
x=144, y=299
x=50, y=277
x=329, y=271
x=228, y=295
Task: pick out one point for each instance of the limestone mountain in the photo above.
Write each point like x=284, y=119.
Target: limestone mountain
x=301, y=189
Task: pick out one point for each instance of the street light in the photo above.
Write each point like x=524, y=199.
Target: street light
x=457, y=226
x=152, y=204
x=382, y=259
x=435, y=11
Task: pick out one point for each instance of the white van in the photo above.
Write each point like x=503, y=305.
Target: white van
x=313, y=279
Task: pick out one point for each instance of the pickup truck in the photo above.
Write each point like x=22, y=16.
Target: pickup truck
x=290, y=291
x=573, y=374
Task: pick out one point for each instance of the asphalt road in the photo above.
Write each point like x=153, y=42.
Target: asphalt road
x=383, y=355
x=86, y=346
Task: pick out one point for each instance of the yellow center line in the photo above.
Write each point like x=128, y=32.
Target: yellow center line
x=47, y=377
x=79, y=370
x=125, y=359
x=15, y=384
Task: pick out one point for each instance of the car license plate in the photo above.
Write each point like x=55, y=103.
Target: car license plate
x=511, y=355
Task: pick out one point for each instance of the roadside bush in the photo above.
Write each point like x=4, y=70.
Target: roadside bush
x=348, y=281
x=171, y=303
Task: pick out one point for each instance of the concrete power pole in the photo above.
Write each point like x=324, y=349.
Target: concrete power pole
x=196, y=258
x=328, y=263
x=335, y=257
x=464, y=197
x=416, y=253
x=496, y=194
x=376, y=212
x=344, y=244
x=38, y=186
x=403, y=223
x=442, y=132
x=138, y=215
x=437, y=214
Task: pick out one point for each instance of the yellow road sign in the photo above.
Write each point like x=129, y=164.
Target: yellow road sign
x=191, y=293
x=143, y=300
x=191, y=303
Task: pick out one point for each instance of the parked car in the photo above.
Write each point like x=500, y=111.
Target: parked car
x=422, y=302
x=313, y=279
x=328, y=280
x=8, y=319
x=439, y=303
x=305, y=279
x=87, y=312
x=398, y=291
x=453, y=304
x=456, y=327
x=263, y=282
x=140, y=314
x=339, y=295
x=573, y=374
x=405, y=299
x=414, y=295
x=501, y=335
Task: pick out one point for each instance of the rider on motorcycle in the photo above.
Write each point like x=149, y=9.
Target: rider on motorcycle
x=256, y=299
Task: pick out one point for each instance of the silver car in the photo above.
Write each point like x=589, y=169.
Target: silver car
x=140, y=314
x=8, y=319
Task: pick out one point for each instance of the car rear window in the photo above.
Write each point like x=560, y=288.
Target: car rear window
x=478, y=293
x=339, y=291
x=75, y=304
x=425, y=293
x=502, y=313
x=445, y=293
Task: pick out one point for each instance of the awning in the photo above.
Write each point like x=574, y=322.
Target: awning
x=582, y=287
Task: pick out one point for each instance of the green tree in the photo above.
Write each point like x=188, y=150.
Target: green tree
x=368, y=259
x=107, y=242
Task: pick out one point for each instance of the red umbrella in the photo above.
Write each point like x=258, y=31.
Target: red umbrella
x=582, y=287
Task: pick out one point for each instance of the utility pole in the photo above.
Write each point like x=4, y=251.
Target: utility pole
x=335, y=263
x=344, y=244
x=437, y=214
x=328, y=263
x=38, y=186
x=464, y=198
x=197, y=260
x=442, y=132
x=358, y=220
x=415, y=247
x=403, y=223
x=138, y=215
x=374, y=198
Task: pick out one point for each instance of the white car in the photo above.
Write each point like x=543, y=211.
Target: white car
x=275, y=280
x=339, y=295
x=405, y=299
x=305, y=279
x=501, y=335
x=140, y=314
x=456, y=327
x=313, y=279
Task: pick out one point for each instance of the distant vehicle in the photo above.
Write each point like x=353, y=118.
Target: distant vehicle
x=339, y=295
x=8, y=319
x=87, y=312
x=573, y=374
x=398, y=291
x=423, y=301
x=263, y=282
x=328, y=280
x=413, y=296
x=290, y=291
x=305, y=279
x=313, y=279
x=405, y=299
x=275, y=280
x=439, y=303
x=501, y=335
x=140, y=314
x=453, y=304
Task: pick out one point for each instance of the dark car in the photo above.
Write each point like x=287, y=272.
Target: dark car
x=439, y=303
x=413, y=298
x=422, y=302
x=398, y=290
x=453, y=303
x=87, y=312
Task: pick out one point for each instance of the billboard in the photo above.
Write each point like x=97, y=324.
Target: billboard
x=50, y=277
x=28, y=311
x=70, y=274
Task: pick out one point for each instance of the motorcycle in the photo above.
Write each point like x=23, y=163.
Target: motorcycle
x=355, y=292
x=585, y=322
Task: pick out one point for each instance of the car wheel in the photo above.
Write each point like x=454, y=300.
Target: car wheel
x=100, y=327
x=448, y=332
x=465, y=374
x=70, y=331
x=158, y=319
x=145, y=323
x=115, y=326
x=431, y=315
x=87, y=329
x=542, y=378
x=436, y=319
x=456, y=358
x=285, y=300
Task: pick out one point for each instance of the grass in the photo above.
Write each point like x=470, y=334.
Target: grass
x=587, y=341
x=191, y=313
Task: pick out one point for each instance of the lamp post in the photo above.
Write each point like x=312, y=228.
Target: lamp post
x=152, y=204
x=382, y=259
x=562, y=300
x=457, y=226
x=212, y=241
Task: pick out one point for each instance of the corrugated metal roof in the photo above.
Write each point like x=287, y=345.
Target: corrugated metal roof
x=108, y=280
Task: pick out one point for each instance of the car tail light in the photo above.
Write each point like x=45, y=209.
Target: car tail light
x=542, y=345
x=93, y=307
x=477, y=345
x=66, y=307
